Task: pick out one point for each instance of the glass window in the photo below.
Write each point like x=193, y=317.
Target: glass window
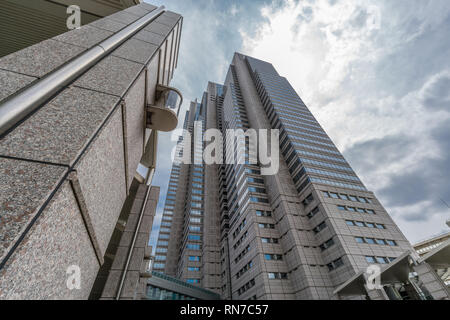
x=193, y=269
x=349, y=222
x=325, y=194
x=370, y=225
x=359, y=239
x=391, y=242
x=361, y=199
x=370, y=240
x=360, y=223
x=344, y=197
x=338, y=263
x=194, y=258
x=342, y=208
x=382, y=260
x=361, y=210
x=193, y=280
x=271, y=275
x=353, y=198
x=351, y=209
x=380, y=226
x=370, y=211
x=370, y=259
x=381, y=242
x=334, y=195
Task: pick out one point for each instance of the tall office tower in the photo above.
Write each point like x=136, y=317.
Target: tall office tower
x=189, y=240
x=306, y=232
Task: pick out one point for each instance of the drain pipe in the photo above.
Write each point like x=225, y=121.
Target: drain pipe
x=20, y=105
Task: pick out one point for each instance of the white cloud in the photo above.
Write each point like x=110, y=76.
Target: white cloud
x=332, y=58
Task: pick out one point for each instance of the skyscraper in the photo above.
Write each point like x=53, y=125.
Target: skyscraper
x=306, y=232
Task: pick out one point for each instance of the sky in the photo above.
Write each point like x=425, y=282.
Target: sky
x=375, y=74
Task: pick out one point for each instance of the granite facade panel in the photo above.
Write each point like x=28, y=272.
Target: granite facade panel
x=58, y=240
x=101, y=172
x=86, y=36
x=135, y=125
x=112, y=75
x=11, y=82
x=135, y=50
x=24, y=189
x=41, y=58
x=59, y=131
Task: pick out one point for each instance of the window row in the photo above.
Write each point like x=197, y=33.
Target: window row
x=277, y=275
x=269, y=240
x=383, y=242
x=342, y=196
x=321, y=156
x=331, y=174
x=325, y=164
x=335, y=264
x=241, y=239
x=266, y=225
x=273, y=256
x=336, y=183
x=352, y=209
x=246, y=287
x=244, y=269
x=261, y=213
x=242, y=254
x=259, y=200
x=193, y=269
x=371, y=225
x=239, y=228
x=191, y=246
x=379, y=260
x=194, y=258
x=327, y=244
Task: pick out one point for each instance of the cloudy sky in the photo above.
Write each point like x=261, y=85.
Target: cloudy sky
x=376, y=74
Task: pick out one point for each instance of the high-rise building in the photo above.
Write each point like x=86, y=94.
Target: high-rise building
x=309, y=231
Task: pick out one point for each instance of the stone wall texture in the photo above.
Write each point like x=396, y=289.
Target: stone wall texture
x=94, y=129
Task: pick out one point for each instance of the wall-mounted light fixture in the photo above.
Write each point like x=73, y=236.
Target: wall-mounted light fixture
x=163, y=116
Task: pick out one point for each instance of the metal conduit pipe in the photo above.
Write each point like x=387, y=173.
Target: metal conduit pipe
x=136, y=231
x=18, y=106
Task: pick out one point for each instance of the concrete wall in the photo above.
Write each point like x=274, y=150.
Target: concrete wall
x=67, y=168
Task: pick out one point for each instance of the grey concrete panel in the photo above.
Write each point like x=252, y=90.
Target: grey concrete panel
x=158, y=28
x=140, y=10
x=135, y=125
x=135, y=50
x=108, y=25
x=147, y=6
x=112, y=75
x=11, y=82
x=41, y=58
x=59, y=130
x=149, y=37
x=101, y=173
x=24, y=188
x=167, y=20
x=57, y=241
x=123, y=17
x=86, y=36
